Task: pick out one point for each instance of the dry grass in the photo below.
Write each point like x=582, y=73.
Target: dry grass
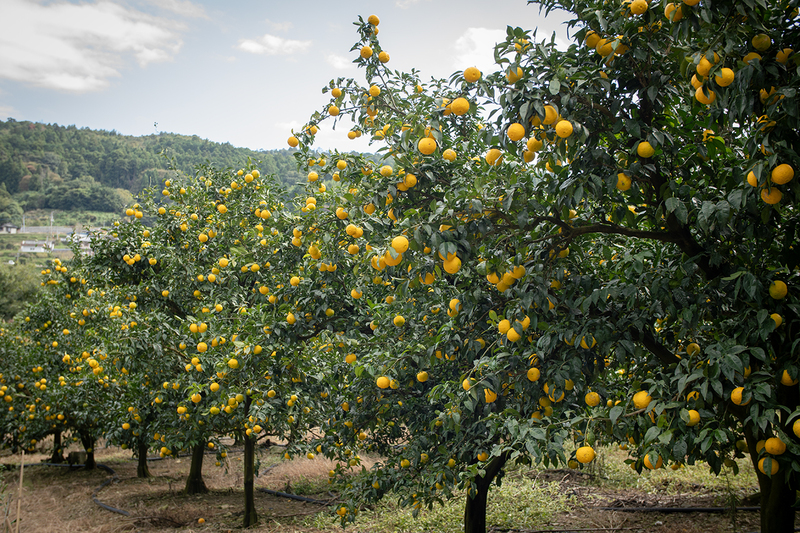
x=59, y=499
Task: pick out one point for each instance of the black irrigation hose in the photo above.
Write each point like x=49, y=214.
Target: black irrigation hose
x=295, y=497
x=677, y=509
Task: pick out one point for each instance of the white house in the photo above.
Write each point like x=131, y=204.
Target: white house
x=37, y=247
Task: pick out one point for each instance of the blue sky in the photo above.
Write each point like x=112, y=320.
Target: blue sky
x=241, y=71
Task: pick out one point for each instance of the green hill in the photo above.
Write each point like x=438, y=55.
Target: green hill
x=47, y=166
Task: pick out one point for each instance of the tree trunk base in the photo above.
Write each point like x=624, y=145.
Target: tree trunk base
x=195, y=483
x=142, y=469
x=250, y=514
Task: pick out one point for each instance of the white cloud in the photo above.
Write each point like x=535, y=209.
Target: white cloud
x=405, y=4
x=184, y=8
x=339, y=62
x=78, y=47
x=272, y=45
x=475, y=48
x=280, y=26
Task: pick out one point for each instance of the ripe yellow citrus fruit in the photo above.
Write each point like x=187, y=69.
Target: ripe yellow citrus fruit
x=383, y=57
x=773, y=467
x=534, y=144
x=422, y=377
x=382, y=382
x=604, y=48
x=645, y=149
x=650, y=466
x=592, y=399
x=673, y=12
x=399, y=320
x=782, y=174
x=516, y=131
x=736, y=396
x=482, y=456
x=692, y=348
x=774, y=446
x=623, y=182
x=778, y=289
x=503, y=326
x=333, y=110
x=772, y=196
x=400, y=244
x=701, y=97
x=704, y=66
x=585, y=454
x=694, y=418
x=472, y=74
x=564, y=128
x=641, y=399
x=639, y=7
x=293, y=141
x=460, y=106
x=533, y=374
x=724, y=77
x=752, y=179
x=783, y=55
x=366, y=52
x=494, y=156
x=426, y=146
x=202, y=347
x=750, y=57
x=489, y=395
x=786, y=379
x=374, y=20
x=796, y=428
x=514, y=75
x=777, y=318
x=449, y=154
x=290, y=318
x=550, y=115
x=452, y=264
x=512, y=335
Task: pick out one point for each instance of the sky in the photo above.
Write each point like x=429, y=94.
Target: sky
x=240, y=71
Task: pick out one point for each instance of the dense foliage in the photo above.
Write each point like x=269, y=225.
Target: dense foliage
x=582, y=247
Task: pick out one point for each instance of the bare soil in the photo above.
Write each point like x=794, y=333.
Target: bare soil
x=60, y=499
x=590, y=496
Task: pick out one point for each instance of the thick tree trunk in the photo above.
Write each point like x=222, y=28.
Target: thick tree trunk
x=778, y=495
x=87, y=439
x=142, y=470
x=777, y=503
x=58, y=452
x=475, y=510
x=195, y=483
x=250, y=515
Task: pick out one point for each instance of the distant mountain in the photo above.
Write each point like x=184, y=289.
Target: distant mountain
x=47, y=166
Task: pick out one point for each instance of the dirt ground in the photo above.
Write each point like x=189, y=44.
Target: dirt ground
x=60, y=499
x=586, y=515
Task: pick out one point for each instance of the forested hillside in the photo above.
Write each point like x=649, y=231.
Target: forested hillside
x=47, y=166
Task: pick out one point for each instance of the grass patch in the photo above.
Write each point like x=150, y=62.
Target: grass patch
x=610, y=470
x=520, y=503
